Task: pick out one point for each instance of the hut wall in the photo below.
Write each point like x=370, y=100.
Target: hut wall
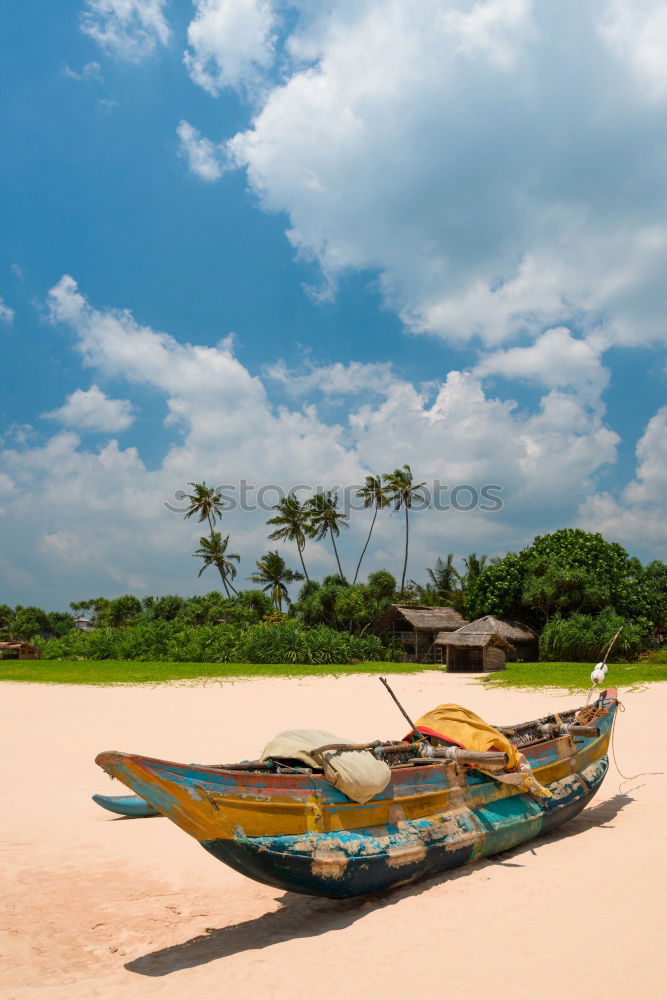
x=424, y=647
x=465, y=658
x=527, y=650
x=494, y=658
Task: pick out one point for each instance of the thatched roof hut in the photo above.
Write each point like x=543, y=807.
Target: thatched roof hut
x=414, y=627
x=474, y=651
x=522, y=637
x=420, y=616
x=16, y=649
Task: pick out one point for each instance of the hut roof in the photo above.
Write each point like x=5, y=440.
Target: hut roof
x=474, y=640
x=17, y=644
x=510, y=630
x=422, y=617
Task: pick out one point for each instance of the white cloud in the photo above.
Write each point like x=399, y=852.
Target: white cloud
x=556, y=359
x=64, y=545
x=6, y=485
x=205, y=158
x=6, y=312
x=89, y=71
x=466, y=436
x=130, y=30
x=442, y=146
x=335, y=379
x=231, y=43
x=636, y=30
x=637, y=517
x=92, y=410
x=495, y=28
x=222, y=425
x=210, y=396
x=650, y=483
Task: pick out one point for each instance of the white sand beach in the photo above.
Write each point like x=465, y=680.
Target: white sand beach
x=97, y=907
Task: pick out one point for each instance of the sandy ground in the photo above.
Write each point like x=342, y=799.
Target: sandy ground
x=94, y=906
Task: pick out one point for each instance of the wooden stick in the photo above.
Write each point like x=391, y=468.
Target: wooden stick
x=362, y=746
x=418, y=734
x=554, y=729
x=611, y=645
x=254, y=765
x=471, y=758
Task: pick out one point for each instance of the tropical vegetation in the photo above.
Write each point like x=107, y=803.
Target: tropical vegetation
x=575, y=588
x=275, y=574
x=280, y=640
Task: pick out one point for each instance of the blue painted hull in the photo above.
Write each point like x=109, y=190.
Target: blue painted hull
x=339, y=866
x=126, y=805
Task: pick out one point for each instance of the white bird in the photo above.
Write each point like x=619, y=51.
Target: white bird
x=599, y=673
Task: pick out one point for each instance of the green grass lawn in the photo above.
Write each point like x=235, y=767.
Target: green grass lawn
x=137, y=672
x=573, y=676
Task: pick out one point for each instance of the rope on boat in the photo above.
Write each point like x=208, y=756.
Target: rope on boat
x=627, y=777
x=589, y=715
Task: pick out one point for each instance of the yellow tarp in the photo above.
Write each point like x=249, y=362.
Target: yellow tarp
x=462, y=726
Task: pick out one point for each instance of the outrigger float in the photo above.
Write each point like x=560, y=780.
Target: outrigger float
x=288, y=827
x=131, y=806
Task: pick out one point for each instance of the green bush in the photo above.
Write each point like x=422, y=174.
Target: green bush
x=284, y=642
x=583, y=638
x=569, y=572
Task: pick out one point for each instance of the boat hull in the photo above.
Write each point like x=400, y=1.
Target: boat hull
x=345, y=864
x=297, y=832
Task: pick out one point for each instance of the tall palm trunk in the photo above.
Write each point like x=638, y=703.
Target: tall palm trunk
x=405, y=561
x=363, y=551
x=221, y=569
x=303, y=565
x=227, y=584
x=340, y=568
x=223, y=577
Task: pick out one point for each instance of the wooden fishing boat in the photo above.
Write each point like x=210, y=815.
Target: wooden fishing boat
x=126, y=805
x=290, y=828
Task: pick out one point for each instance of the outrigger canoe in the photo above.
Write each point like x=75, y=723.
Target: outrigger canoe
x=288, y=827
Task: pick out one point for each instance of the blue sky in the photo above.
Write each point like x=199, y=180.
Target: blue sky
x=301, y=242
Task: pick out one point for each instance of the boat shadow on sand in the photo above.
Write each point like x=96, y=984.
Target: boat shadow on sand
x=309, y=916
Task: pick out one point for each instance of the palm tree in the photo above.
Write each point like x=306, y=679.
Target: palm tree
x=293, y=522
x=206, y=502
x=402, y=491
x=474, y=565
x=325, y=519
x=374, y=495
x=274, y=573
x=213, y=552
x=444, y=575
